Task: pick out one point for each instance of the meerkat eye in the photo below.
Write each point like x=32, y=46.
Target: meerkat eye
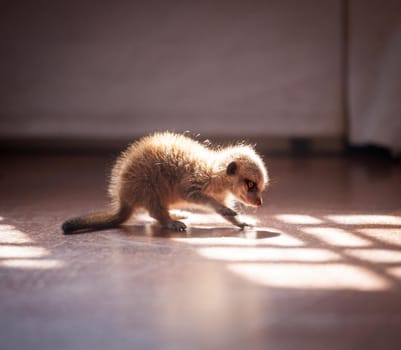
x=250, y=185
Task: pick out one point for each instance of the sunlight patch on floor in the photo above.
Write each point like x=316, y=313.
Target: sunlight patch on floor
x=281, y=240
x=395, y=272
x=32, y=263
x=10, y=235
x=330, y=277
x=298, y=219
x=302, y=255
x=362, y=219
x=376, y=255
x=17, y=250
x=12, y=252
x=321, y=258
x=390, y=236
x=336, y=236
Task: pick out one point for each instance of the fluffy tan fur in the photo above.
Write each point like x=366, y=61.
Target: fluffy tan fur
x=163, y=170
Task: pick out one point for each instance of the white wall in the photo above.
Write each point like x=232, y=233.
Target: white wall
x=124, y=68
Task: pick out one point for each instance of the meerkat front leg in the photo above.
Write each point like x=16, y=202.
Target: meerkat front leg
x=234, y=220
x=230, y=215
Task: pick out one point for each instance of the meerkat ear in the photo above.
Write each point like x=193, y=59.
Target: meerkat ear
x=232, y=168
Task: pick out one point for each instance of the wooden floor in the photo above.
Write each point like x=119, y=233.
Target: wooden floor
x=321, y=269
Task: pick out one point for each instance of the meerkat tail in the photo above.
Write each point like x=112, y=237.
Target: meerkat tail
x=96, y=221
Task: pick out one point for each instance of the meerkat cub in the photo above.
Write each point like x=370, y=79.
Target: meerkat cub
x=164, y=170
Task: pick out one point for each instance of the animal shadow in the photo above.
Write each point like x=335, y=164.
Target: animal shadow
x=155, y=230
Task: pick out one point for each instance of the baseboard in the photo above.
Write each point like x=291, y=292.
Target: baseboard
x=265, y=144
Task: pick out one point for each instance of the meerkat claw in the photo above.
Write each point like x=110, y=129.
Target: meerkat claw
x=243, y=225
x=177, y=226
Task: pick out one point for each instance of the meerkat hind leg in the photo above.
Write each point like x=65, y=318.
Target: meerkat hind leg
x=178, y=214
x=162, y=215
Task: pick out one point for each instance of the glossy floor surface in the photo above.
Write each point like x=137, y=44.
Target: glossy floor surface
x=321, y=269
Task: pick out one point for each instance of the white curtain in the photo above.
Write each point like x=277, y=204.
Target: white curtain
x=375, y=73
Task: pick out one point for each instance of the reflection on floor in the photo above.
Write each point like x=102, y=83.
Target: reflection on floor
x=321, y=268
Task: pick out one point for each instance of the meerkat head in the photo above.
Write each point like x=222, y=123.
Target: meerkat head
x=248, y=176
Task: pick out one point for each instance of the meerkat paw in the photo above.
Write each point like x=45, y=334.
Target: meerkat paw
x=242, y=225
x=227, y=212
x=177, y=226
